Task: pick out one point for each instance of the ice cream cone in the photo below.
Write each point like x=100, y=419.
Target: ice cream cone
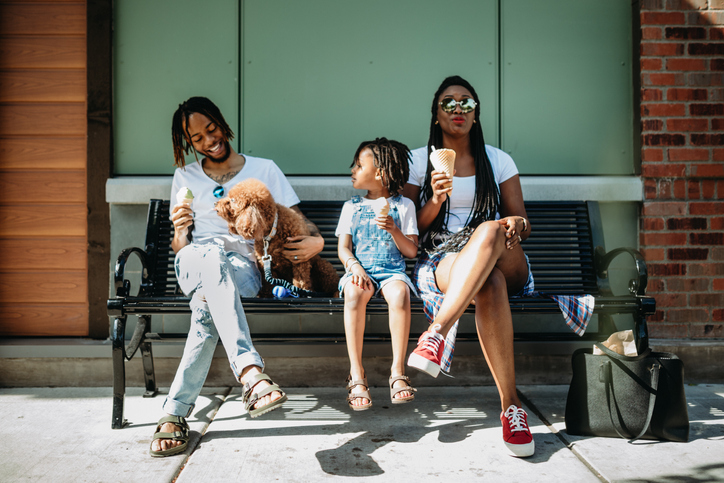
x=381, y=206
x=184, y=195
x=444, y=160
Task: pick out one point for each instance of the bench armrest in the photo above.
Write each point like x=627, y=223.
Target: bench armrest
x=123, y=286
x=602, y=260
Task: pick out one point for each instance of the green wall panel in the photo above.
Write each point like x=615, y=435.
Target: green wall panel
x=321, y=76
x=166, y=51
x=566, y=86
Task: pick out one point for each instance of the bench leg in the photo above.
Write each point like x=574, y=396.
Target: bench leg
x=606, y=325
x=119, y=371
x=149, y=373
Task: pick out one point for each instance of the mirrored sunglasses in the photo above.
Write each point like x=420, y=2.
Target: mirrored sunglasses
x=466, y=105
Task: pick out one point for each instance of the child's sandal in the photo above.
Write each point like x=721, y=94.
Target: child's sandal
x=394, y=391
x=351, y=384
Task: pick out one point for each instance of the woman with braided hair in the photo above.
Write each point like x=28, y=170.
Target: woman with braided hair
x=471, y=233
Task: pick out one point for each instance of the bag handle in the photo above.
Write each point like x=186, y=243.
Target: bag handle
x=605, y=376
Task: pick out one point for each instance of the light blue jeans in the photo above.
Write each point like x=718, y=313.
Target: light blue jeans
x=214, y=279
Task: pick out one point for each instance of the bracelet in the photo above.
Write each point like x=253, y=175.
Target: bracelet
x=349, y=269
x=347, y=261
x=525, y=225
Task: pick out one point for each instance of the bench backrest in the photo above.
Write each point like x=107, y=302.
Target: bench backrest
x=560, y=247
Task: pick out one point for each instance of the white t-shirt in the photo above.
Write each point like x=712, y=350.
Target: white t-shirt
x=406, y=209
x=209, y=227
x=463, y=193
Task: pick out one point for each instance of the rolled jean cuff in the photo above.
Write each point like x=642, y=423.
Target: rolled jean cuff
x=245, y=360
x=177, y=408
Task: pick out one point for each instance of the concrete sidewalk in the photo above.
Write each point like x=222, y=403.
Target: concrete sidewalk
x=448, y=433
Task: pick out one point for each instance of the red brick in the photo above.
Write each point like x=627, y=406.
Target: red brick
x=666, y=79
x=652, y=95
x=664, y=139
x=664, y=110
x=717, y=124
x=654, y=208
x=652, y=64
x=716, y=95
x=706, y=269
x=706, y=18
x=718, y=155
x=652, y=5
x=661, y=49
x=706, y=300
x=707, y=139
x=655, y=285
x=662, y=239
x=709, y=188
x=656, y=124
x=716, y=33
x=704, y=110
x=686, y=254
x=717, y=315
x=678, y=284
x=651, y=33
x=716, y=64
x=707, y=171
x=706, y=208
x=685, y=64
x=687, y=124
x=706, y=49
x=653, y=154
x=686, y=315
x=665, y=189
x=717, y=223
x=687, y=154
x=663, y=170
x=672, y=300
x=706, y=238
x=653, y=224
x=702, y=331
x=718, y=284
x=705, y=80
x=653, y=255
x=685, y=33
x=686, y=4
x=651, y=191
x=663, y=18
x=678, y=94
x=680, y=189
x=694, y=189
x=686, y=224
x=666, y=331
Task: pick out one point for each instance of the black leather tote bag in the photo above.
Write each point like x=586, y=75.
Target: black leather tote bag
x=630, y=397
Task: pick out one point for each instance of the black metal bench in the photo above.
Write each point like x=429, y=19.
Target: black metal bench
x=565, y=250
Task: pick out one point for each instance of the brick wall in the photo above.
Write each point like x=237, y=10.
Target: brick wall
x=682, y=153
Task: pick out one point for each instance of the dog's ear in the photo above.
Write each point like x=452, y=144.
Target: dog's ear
x=250, y=223
x=225, y=210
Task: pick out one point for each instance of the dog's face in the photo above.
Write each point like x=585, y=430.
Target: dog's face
x=249, y=209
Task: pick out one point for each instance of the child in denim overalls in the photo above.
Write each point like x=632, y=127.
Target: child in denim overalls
x=372, y=249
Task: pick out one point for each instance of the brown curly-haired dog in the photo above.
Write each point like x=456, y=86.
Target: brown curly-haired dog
x=250, y=210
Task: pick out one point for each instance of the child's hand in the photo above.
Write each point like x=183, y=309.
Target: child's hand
x=385, y=223
x=360, y=278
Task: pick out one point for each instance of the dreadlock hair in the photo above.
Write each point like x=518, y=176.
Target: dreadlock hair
x=182, y=144
x=487, y=194
x=392, y=158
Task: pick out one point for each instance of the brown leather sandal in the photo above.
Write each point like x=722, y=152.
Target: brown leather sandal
x=394, y=391
x=351, y=384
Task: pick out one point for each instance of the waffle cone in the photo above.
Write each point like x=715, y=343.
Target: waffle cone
x=381, y=207
x=444, y=160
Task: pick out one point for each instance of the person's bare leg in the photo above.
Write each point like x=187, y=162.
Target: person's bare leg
x=397, y=295
x=247, y=374
x=494, y=324
x=355, y=310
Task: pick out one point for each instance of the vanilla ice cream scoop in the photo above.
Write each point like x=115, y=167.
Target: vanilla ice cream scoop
x=185, y=195
x=381, y=206
x=443, y=160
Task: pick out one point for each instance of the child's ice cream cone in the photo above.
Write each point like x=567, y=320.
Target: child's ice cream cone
x=443, y=160
x=381, y=206
x=184, y=195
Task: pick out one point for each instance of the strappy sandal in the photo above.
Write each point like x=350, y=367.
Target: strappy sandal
x=251, y=398
x=182, y=436
x=351, y=384
x=396, y=390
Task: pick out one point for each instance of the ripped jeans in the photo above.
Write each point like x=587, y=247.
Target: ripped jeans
x=214, y=279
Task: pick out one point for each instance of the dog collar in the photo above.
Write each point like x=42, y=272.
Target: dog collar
x=269, y=237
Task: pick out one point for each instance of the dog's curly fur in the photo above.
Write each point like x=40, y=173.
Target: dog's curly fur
x=249, y=210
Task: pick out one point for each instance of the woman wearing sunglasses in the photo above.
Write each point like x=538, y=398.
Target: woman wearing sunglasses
x=471, y=234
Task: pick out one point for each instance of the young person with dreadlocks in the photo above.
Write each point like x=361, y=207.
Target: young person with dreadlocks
x=375, y=233
x=472, y=233
x=216, y=268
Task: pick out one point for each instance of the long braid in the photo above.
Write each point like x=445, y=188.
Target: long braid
x=487, y=194
x=392, y=158
x=182, y=144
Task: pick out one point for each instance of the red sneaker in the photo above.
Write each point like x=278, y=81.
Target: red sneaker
x=516, y=433
x=426, y=356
